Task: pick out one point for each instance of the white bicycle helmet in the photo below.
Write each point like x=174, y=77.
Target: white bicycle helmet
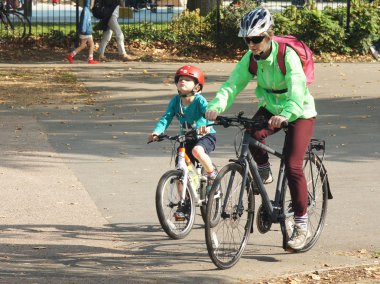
x=255, y=22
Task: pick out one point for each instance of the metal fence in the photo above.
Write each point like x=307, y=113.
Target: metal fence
x=62, y=15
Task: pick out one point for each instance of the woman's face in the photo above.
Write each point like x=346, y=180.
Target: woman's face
x=185, y=84
x=257, y=44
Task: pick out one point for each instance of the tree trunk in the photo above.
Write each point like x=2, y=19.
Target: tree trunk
x=205, y=6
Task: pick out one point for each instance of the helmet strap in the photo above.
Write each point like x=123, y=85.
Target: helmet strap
x=268, y=46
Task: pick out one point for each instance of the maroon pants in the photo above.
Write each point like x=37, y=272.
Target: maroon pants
x=300, y=132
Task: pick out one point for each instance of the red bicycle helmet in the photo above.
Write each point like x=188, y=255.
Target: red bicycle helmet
x=193, y=72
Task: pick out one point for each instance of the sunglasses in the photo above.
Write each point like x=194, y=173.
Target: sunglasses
x=254, y=39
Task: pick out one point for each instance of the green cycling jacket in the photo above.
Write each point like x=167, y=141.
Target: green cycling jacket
x=294, y=103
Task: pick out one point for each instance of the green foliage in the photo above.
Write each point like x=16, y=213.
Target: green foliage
x=316, y=29
x=320, y=32
x=323, y=30
x=284, y=25
x=364, y=25
x=188, y=24
x=230, y=18
x=58, y=38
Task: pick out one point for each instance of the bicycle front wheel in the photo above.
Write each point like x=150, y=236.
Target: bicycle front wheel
x=317, y=188
x=167, y=201
x=227, y=238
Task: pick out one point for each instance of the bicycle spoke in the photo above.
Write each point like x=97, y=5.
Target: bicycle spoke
x=167, y=200
x=227, y=239
x=317, y=201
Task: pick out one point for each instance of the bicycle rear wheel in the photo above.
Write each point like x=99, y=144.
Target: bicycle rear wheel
x=227, y=238
x=317, y=187
x=167, y=200
x=204, y=196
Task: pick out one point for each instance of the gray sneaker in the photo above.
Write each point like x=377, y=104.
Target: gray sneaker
x=266, y=177
x=299, y=237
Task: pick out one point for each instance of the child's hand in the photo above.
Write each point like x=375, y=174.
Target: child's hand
x=203, y=130
x=152, y=137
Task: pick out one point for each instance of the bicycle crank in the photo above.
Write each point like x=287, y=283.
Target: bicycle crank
x=263, y=220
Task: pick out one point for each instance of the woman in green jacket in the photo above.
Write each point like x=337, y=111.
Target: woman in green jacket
x=281, y=97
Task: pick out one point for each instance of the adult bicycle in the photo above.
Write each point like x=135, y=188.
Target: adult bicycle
x=13, y=23
x=184, y=186
x=227, y=239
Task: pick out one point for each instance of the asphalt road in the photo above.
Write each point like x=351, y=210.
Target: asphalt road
x=79, y=183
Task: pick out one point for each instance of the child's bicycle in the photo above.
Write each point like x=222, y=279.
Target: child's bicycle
x=181, y=188
x=227, y=239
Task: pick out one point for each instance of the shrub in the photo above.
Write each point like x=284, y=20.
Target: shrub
x=364, y=25
x=189, y=25
x=321, y=32
x=230, y=18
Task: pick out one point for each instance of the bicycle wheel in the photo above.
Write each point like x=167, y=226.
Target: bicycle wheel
x=167, y=200
x=28, y=24
x=317, y=188
x=204, y=196
x=227, y=239
x=16, y=27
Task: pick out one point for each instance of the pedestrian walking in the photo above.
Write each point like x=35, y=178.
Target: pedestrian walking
x=109, y=24
x=85, y=34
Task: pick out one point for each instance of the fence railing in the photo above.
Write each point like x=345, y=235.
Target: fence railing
x=63, y=15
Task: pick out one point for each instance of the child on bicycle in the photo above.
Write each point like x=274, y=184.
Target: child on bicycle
x=85, y=34
x=281, y=97
x=189, y=107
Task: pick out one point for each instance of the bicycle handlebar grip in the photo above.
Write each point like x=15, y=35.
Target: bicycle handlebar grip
x=222, y=121
x=285, y=124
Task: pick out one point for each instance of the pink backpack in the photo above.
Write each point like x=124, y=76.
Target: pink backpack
x=303, y=51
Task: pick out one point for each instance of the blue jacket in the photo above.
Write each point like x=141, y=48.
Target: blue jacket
x=190, y=116
x=85, y=27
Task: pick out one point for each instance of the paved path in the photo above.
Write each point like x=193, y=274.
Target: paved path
x=79, y=182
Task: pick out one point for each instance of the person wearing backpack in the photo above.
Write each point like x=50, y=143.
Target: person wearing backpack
x=85, y=34
x=108, y=15
x=283, y=96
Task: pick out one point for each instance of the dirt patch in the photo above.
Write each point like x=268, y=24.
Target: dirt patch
x=362, y=274
x=41, y=86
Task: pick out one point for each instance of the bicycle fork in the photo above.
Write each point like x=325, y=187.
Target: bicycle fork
x=182, y=166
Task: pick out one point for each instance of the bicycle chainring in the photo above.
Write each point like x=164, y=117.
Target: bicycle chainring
x=263, y=220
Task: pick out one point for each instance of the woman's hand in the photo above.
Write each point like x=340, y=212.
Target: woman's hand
x=211, y=115
x=276, y=121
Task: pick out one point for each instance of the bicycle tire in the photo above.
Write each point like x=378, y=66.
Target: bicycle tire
x=167, y=199
x=204, y=196
x=317, y=188
x=17, y=24
x=227, y=239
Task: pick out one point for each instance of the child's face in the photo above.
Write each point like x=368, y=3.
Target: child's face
x=185, y=84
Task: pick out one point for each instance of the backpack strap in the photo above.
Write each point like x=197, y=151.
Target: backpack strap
x=252, y=65
x=281, y=57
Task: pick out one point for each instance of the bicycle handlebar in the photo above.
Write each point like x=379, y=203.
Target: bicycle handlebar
x=256, y=123
x=189, y=135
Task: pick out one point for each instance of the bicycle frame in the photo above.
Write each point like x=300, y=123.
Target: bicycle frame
x=182, y=166
x=246, y=160
x=249, y=165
